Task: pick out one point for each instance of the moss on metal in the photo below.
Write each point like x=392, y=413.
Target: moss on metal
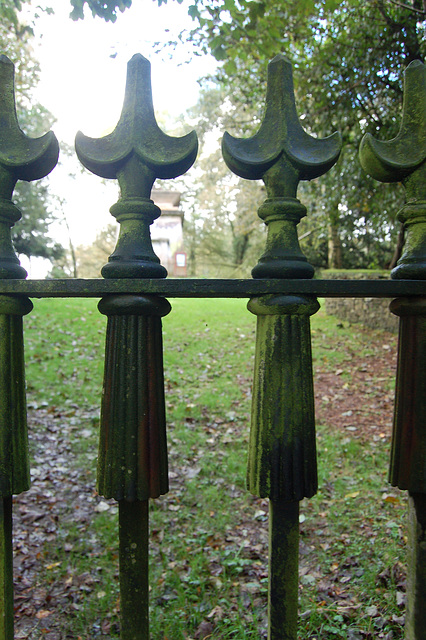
x=402, y=159
x=132, y=462
x=282, y=453
x=14, y=463
x=21, y=158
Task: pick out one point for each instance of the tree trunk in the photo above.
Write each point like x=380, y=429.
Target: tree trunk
x=399, y=246
x=73, y=259
x=240, y=245
x=334, y=247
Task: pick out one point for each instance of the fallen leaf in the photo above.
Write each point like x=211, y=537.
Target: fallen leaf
x=204, y=630
x=371, y=611
x=353, y=494
x=43, y=613
x=101, y=507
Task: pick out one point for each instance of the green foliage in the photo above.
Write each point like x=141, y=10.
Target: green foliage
x=106, y=9
x=223, y=234
x=30, y=235
x=348, y=56
x=348, y=59
x=9, y=10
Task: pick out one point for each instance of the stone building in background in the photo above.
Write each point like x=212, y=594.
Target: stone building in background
x=167, y=232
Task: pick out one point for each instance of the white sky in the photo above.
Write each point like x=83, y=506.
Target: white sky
x=83, y=73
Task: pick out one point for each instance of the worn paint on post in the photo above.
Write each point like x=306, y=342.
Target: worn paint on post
x=408, y=454
x=14, y=461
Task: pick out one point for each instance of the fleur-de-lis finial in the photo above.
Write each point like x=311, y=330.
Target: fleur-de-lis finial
x=403, y=160
x=21, y=158
x=136, y=153
x=281, y=153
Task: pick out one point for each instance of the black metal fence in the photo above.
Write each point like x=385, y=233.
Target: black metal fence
x=132, y=463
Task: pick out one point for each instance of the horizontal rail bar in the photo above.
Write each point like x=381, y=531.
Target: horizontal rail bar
x=214, y=288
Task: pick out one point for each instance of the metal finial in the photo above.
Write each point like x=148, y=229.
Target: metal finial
x=281, y=154
x=403, y=160
x=281, y=136
x=136, y=153
x=21, y=158
x=394, y=160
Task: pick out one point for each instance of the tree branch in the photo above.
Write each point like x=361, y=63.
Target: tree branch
x=407, y=6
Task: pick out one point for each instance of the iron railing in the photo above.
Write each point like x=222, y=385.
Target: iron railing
x=132, y=464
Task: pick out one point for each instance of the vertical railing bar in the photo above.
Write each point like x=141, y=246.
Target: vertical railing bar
x=282, y=455
x=416, y=573
x=6, y=569
x=133, y=555
x=283, y=569
x=132, y=463
x=403, y=159
x=21, y=158
x=408, y=452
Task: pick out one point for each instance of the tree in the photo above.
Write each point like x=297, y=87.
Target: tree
x=226, y=232
x=31, y=234
x=9, y=10
x=348, y=56
x=106, y=9
x=86, y=261
x=223, y=236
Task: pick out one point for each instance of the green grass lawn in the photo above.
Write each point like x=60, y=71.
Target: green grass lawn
x=208, y=570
